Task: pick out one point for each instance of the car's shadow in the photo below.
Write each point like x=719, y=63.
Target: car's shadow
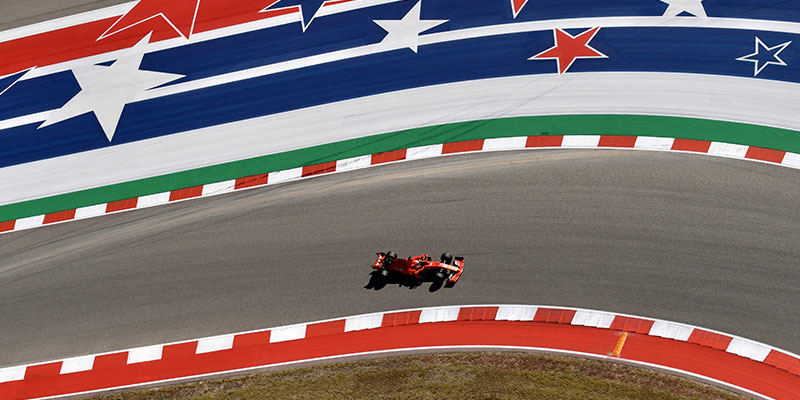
x=378, y=282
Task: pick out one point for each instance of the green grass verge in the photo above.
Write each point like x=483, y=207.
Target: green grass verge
x=462, y=376
x=629, y=125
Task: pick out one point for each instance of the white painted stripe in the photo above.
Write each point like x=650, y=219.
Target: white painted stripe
x=397, y=111
x=727, y=150
x=596, y=319
x=439, y=314
x=671, y=330
x=90, y=211
x=749, y=349
x=219, y=188
x=361, y=322
x=509, y=143
x=153, y=200
x=654, y=143
x=516, y=313
x=145, y=354
x=286, y=333
x=791, y=160
x=350, y=164
x=30, y=222
x=77, y=364
x=12, y=374
x=215, y=343
x=417, y=153
x=285, y=176
x=581, y=141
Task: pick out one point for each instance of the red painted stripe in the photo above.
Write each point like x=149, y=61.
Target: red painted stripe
x=554, y=315
x=186, y=193
x=712, y=363
x=318, y=169
x=7, y=226
x=59, y=216
x=460, y=147
x=325, y=328
x=388, y=156
x=120, y=205
x=710, y=339
x=401, y=318
x=250, y=181
x=700, y=146
x=544, y=141
x=629, y=324
x=617, y=141
x=477, y=313
x=759, y=153
x=783, y=361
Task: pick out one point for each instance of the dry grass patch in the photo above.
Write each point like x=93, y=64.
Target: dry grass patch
x=462, y=376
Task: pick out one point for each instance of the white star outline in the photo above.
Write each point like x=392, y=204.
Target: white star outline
x=515, y=11
x=694, y=7
x=303, y=24
x=17, y=80
x=106, y=90
x=405, y=32
x=759, y=44
x=161, y=14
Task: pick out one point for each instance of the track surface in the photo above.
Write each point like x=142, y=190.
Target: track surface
x=14, y=14
x=693, y=239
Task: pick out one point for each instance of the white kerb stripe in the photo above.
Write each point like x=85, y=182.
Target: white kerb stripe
x=350, y=164
x=439, y=314
x=284, y=176
x=727, y=150
x=654, y=143
x=792, y=160
x=509, y=143
x=30, y=222
x=416, y=153
x=286, y=333
x=580, y=141
x=153, y=200
x=219, y=187
x=749, y=349
x=215, y=343
x=671, y=330
x=77, y=364
x=516, y=313
x=90, y=211
x=12, y=374
x=361, y=322
x=595, y=319
x=145, y=354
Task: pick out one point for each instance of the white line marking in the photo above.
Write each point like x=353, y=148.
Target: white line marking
x=748, y=348
x=509, y=143
x=286, y=333
x=727, y=150
x=516, y=313
x=361, y=322
x=91, y=211
x=439, y=314
x=214, y=343
x=654, y=143
x=350, y=164
x=580, y=141
x=153, y=200
x=418, y=153
x=212, y=189
x=12, y=374
x=77, y=364
x=28, y=223
x=285, y=175
x=145, y=354
x=671, y=330
x=595, y=319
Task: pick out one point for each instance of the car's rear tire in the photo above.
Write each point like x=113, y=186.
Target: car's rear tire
x=447, y=258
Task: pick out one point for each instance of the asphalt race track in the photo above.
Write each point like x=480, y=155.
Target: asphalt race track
x=694, y=239
x=32, y=11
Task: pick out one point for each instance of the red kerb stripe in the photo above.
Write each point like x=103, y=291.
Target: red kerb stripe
x=700, y=146
x=389, y=156
x=554, y=315
x=544, y=141
x=710, y=339
x=617, y=141
x=760, y=153
x=325, y=328
x=477, y=313
x=319, y=169
x=783, y=361
x=460, y=147
x=629, y=324
x=186, y=193
x=7, y=226
x=250, y=181
x=59, y=216
x=401, y=318
x=120, y=205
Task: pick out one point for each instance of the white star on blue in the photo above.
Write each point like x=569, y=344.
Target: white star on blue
x=764, y=56
x=308, y=9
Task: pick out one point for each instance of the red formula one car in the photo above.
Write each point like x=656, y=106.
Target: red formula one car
x=420, y=268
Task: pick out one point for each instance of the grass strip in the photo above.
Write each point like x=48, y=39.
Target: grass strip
x=462, y=376
x=624, y=125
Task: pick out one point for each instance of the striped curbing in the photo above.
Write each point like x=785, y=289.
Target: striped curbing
x=752, y=153
x=730, y=361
